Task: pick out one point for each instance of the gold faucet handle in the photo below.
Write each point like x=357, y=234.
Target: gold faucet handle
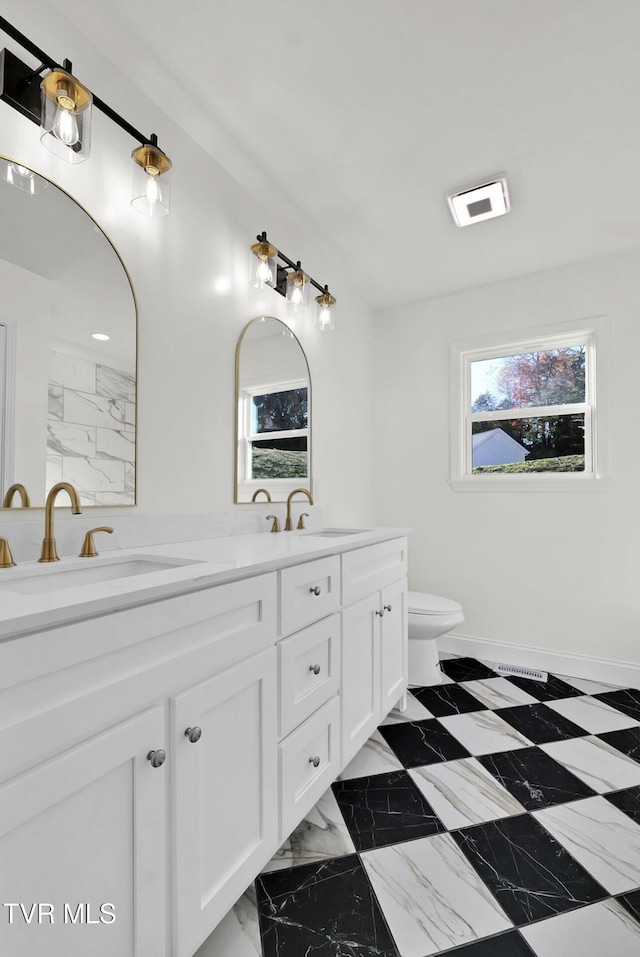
x=276, y=524
x=6, y=558
x=301, y=520
x=88, y=546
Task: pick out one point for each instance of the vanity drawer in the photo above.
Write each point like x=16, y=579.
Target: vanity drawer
x=308, y=671
x=309, y=592
x=309, y=761
x=365, y=570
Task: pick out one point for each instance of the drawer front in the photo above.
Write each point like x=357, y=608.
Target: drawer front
x=309, y=671
x=309, y=761
x=366, y=570
x=309, y=592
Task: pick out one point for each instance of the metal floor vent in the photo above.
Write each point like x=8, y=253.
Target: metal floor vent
x=521, y=672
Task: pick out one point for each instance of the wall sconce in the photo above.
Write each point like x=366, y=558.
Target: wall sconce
x=61, y=106
x=268, y=266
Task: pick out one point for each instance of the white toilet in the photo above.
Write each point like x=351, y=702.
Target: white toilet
x=429, y=617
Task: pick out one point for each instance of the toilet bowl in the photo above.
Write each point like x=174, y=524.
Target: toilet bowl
x=429, y=617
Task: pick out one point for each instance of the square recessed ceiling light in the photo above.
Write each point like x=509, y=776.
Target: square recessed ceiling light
x=476, y=203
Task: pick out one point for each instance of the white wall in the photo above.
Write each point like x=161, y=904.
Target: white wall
x=187, y=329
x=553, y=570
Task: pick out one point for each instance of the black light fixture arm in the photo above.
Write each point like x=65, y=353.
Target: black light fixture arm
x=48, y=63
x=262, y=238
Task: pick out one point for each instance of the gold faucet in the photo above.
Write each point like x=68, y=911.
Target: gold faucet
x=10, y=494
x=287, y=525
x=257, y=492
x=49, y=552
x=6, y=558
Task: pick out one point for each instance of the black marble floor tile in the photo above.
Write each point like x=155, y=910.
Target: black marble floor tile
x=627, y=801
x=632, y=903
x=466, y=669
x=442, y=700
x=385, y=809
x=540, y=723
x=549, y=690
x=327, y=909
x=627, y=741
x=529, y=872
x=627, y=700
x=534, y=778
x=510, y=944
x=422, y=742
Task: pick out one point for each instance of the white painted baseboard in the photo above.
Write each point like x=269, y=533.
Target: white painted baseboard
x=621, y=673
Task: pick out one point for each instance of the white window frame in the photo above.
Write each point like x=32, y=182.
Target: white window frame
x=594, y=335
x=281, y=486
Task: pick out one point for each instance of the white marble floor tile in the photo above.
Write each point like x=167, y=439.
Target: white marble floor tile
x=374, y=757
x=415, y=712
x=603, y=839
x=596, y=763
x=593, y=715
x=463, y=792
x=484, y=732
x=237, y=934
x=431, y=897
x=322, y=835
x=498, y=693
x=604, y=928
x=586, y=686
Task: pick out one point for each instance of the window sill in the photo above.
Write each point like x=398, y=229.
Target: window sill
x=541, y=483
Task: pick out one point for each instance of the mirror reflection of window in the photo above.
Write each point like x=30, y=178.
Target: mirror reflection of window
x=278, y=433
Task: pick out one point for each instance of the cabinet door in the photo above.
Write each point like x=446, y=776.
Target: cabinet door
x=360, y=694
x=393, y=644
x=82, y=848
x=225, y=821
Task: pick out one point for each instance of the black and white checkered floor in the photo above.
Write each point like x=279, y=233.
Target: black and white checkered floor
x=496, y=817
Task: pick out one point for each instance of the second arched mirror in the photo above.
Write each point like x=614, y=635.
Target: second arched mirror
x=273, y=412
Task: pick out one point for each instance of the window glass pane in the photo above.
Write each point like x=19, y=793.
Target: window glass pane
x=279, y=411
x=541, y=444
x=279, y=458
x=552, y=377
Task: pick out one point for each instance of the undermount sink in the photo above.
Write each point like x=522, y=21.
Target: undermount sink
x=335, y=532
x=58, y=576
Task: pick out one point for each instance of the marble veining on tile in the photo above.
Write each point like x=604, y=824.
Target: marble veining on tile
x=463, y=793
x=545, y=690
x=603, y=839
x=375, y=757
x=115, y=383
x=422, y=742
x=319, y=837
x=539, y=723
x=431, y=897
x=626, y=700
x=466, y=669
x=385, y=809
x=534, y=778
x=598, y=764
x=632, y=903
x=447, y=699
x=593, y=715
x=605, y=928
x=498, y=693
x=627, y=801
x=530, y=873
x=238, y=934
x=626, y=741
x=414, y=712
x=484, y=732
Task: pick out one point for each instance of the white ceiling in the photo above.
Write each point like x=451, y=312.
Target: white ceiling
x=359, y=116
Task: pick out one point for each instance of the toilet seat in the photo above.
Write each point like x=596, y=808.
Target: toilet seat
x=419, y=603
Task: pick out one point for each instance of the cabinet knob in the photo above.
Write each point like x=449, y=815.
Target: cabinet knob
x=193, y=734
x=157, y=758
x=315, y=761
x=381, y=613
x=316, y=590
x=387, y=607
x=315, y=668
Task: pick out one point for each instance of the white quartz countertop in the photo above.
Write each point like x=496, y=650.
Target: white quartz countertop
x=36, y=597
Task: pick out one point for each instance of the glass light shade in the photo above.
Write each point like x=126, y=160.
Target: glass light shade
x=263, y=268
x=65, y=122
x=151, y=188
x=23, y=178
x=324, y=317
x=297, y=292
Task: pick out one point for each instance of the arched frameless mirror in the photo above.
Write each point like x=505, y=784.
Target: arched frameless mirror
x=273, y=412
x=67, y=397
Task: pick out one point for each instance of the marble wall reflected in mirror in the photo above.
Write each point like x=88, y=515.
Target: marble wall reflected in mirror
x=273, y=412
x=68, y=406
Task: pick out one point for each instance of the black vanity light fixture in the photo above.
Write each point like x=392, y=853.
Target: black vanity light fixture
x=268, y=266
x=61, y=105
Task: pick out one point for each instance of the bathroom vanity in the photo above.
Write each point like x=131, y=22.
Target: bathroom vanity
x=162, y=732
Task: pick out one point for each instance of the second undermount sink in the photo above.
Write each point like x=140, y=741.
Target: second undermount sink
x=58, y=575
x=335, y=532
